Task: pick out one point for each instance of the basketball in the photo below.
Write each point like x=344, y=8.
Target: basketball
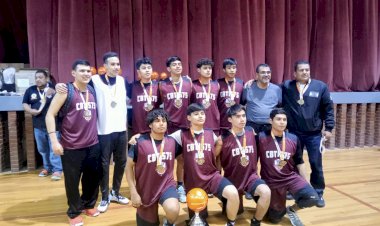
x=197, y=199
x=155, y=75
x=101, y=70
x=163, y=76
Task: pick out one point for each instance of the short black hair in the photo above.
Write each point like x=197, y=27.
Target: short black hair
x=194, y=107
x=144, y=60
x=171, y=60
x=277, y=111
x=298, y=62
x=154, y=114
x=79, y=62
x=262, y=65
x=229, y=61
x=42, y=72
x=109, y=55
x=234, y=109
x=205, y=61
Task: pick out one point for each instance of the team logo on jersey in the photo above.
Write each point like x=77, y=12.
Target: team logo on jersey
x=33, y=96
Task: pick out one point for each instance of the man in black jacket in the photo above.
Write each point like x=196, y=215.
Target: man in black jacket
x=308, y=104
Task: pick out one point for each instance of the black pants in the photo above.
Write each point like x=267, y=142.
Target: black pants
x=116, y=144
x=259, y=127
x=81, y=165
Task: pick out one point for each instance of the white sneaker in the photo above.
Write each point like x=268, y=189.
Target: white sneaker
x=293, y=217
x=103, y=206
x=181, y=194
x=118, y=198
x=166, y=222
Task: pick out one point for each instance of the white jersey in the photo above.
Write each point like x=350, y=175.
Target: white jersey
x=112, y=105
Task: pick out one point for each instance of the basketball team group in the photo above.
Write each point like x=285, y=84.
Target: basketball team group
x=211, y=133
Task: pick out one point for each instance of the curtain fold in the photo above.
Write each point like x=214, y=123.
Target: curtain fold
x=340, y=38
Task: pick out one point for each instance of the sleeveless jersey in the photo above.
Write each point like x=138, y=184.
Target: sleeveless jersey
x=177, y=114
x=225, y=97
x=239, y=175
x=138, y=101
x=149, y=184
x=76, y=131
x=212, y=112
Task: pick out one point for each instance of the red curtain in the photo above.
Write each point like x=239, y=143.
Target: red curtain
x=340, y=38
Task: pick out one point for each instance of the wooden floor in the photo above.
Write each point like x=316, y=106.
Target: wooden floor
x=352, y=197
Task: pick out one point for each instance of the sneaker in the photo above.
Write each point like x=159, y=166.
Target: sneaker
x=103, y=206
x=248, y=195
x=181, y=194
x=321, y=202
x=293, y=217
x=289, y=196
x=210, y=195
x=166, y=223
x=43, y=173
x=56, y=176
x=118, y=198
x=255, y=222
x=76, y=221
x=91, y=212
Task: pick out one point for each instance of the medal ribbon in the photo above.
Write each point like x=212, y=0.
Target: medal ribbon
x=85, y=102
x=159, y=155
x=148, y=97
x=209, y=91
x=233, y=93
x=239, y=144
x=201, y=146
x=282, y=152
x=303, y=90
x=111, y=87
x=42, y=95
x=178, y=93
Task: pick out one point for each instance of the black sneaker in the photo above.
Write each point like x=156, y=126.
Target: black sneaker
x=293, y=217
x=321, y=202
x=255, y=222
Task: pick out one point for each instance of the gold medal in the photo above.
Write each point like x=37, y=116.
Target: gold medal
x=281, y=164
x=206, y=103
x=113, y=104
x=300, y=101
x=87, y=115
x=244, y=161
x=148, y=107
x=161, y=169
x=178, y=103
x=200, y=161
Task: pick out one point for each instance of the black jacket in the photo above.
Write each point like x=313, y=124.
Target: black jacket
x=318, y=107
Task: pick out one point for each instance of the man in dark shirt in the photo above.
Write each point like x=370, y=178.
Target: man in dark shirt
x=308, y=105
x=280, y=157
x=36, y=101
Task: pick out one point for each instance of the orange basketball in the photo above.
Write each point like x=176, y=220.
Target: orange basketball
x=93, y=70
x=101, y=70
x=163, y=76
x=197, y=199
x=154, y=75
x=120, y=71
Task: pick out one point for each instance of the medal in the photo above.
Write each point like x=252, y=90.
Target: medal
x=206, y=103
x=230, y=101
x=113, y=104
x=87, y=115
x=302, y=91
x=178, y=103
x=148, y=107
x=300, y=101
x=161, y=168
x=200, y=161
x=244, y=161
x=281, y=164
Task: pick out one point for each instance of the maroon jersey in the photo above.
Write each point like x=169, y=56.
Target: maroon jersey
x=270, y=157
x=204, y=176
x=140, y=107
x=199, y=95
x=149, y=183
x=78, y=130
x=225, y=99
x=176, y=101
x=239, y=174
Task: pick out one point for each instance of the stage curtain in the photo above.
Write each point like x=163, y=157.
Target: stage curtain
x=340, y=38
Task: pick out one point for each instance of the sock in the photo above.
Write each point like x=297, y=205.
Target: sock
x=179, y=183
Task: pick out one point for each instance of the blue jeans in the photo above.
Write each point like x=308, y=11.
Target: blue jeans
x=52, y=162
x=312, y=143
